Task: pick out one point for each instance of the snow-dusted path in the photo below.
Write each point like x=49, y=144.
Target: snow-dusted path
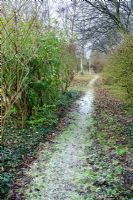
x=55, y=173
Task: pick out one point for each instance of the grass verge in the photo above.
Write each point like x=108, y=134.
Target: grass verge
x=110, y=175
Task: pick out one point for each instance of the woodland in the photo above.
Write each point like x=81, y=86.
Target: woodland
x=50, y=51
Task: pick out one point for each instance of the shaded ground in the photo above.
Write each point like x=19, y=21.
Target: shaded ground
x=56, y=172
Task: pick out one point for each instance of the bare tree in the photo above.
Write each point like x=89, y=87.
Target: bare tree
x=105, y=22
x=120, y=12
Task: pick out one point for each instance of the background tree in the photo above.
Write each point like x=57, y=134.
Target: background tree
x=106, y=22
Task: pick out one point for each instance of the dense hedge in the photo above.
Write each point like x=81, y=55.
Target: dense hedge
x=119, y=68
x=37, y=68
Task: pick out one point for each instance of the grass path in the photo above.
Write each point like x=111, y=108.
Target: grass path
x=55, y=174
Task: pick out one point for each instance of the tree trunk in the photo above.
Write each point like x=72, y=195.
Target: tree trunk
x=81, y=65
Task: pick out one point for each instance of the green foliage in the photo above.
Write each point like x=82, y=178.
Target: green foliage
x=5, y=181
x=48, y=115
x=18, y=144
x=45, y=115
x=119, y=69
x=121, y=151
x=38, y=67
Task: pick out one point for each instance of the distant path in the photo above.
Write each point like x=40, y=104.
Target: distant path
x=55, y=173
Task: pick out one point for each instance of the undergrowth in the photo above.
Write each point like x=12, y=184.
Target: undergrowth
x=20, y=145
x=110, y=175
